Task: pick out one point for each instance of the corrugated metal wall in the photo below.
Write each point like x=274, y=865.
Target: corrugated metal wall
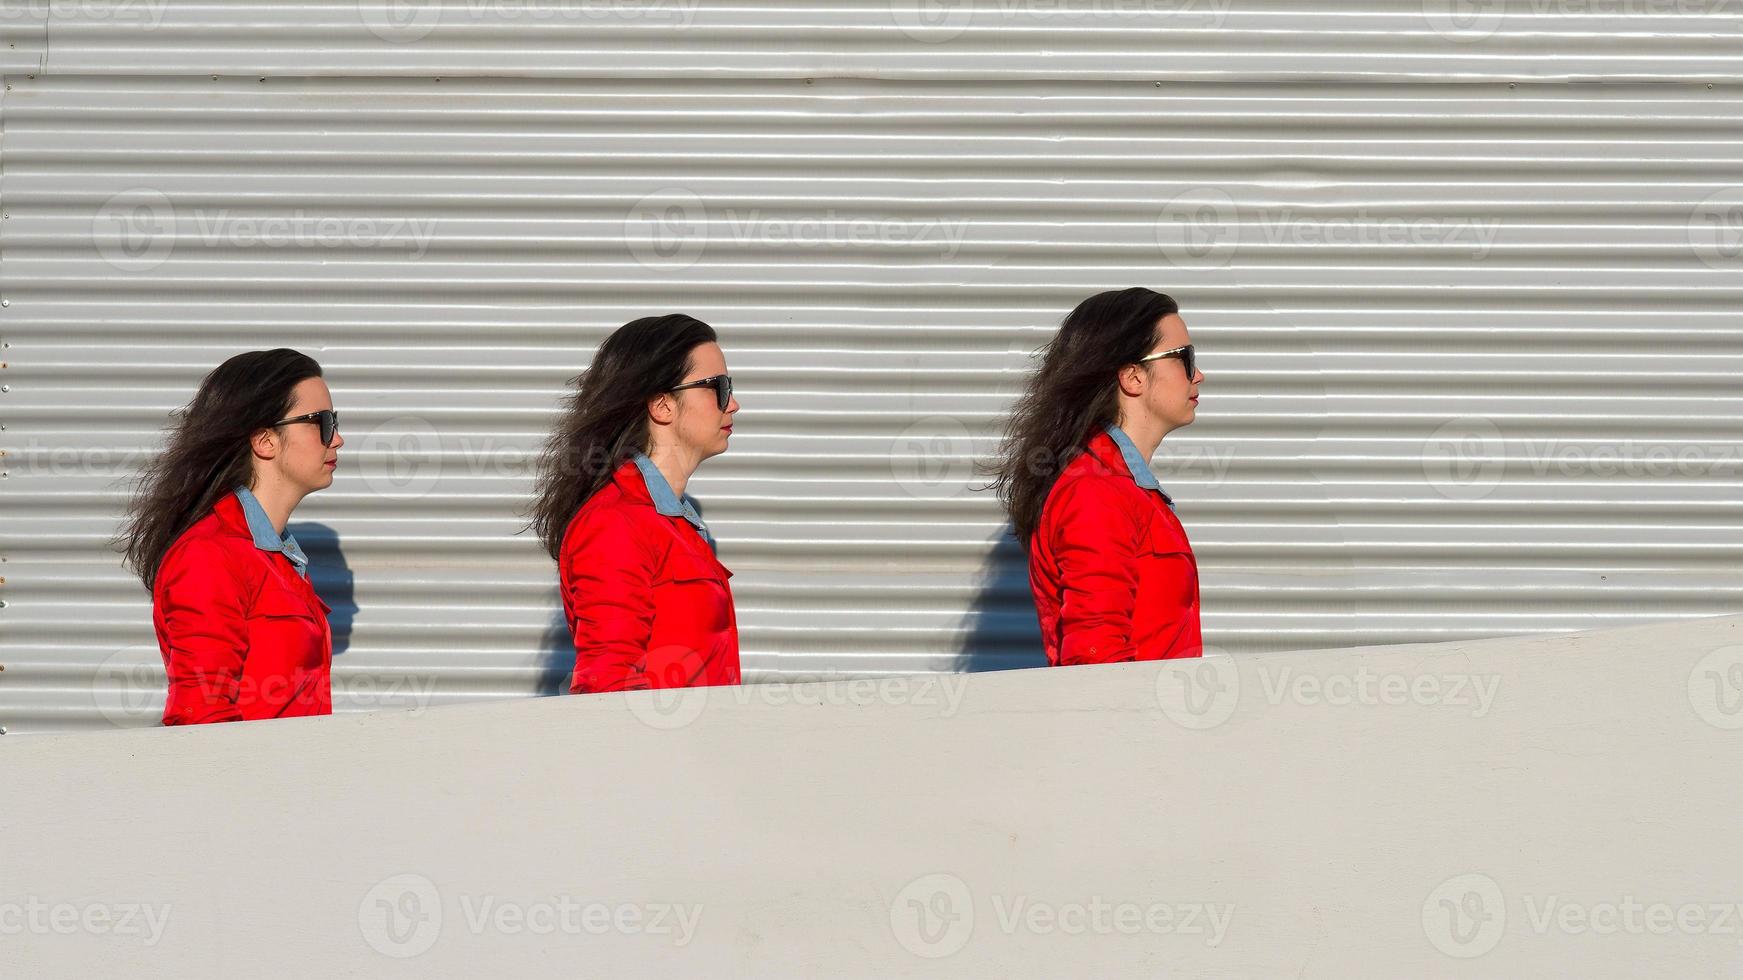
x=1471, y=330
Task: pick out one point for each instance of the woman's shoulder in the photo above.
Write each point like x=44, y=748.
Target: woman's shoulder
x=610, y=514
x=209, y=545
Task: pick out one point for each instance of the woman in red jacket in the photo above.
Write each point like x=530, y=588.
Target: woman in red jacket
x=1113, y=575
x=242, y=633
x=646, y=600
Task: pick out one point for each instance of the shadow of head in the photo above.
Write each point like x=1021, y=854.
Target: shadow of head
x=331, y=576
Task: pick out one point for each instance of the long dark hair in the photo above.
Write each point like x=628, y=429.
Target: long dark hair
x=1073, y=394
x=208, y=453
x=606, y=420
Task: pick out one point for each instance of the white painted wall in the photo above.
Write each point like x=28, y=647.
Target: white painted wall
x=802, y=831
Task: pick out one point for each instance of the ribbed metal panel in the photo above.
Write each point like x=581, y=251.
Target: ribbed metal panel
x=1473, y=350
x=1434, y=40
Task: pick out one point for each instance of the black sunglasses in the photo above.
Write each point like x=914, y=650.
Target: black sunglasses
x=721, y=383
x=326, y=418
x=1185, y=355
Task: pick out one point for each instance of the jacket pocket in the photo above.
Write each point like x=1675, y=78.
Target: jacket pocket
x=280, y=604
x=682, y=567
x=1164, y=537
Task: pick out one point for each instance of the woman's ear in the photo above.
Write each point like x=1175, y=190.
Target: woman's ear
x=661, y=408
x=1132, y=379
x=265, y=443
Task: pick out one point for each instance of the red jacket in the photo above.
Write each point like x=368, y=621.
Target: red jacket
x=243, y=636
x=1113, y=574
x=647, y=602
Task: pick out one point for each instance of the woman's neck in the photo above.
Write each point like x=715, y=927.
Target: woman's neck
x=675, y=465
x=277, y=500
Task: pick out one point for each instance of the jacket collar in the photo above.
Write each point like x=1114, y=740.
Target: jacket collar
x=652, y=486
x=266, y=538
x=1117, y=450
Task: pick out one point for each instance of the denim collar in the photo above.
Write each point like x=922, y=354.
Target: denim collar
x=265, y=537
x=1137, y=464
x=665, y=501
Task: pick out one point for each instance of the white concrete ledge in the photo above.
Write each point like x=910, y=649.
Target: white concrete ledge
x=1524, y=807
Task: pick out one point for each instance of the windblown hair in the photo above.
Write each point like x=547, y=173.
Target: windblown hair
x=1073, y=394
x=606, y=420
x=208, y=453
